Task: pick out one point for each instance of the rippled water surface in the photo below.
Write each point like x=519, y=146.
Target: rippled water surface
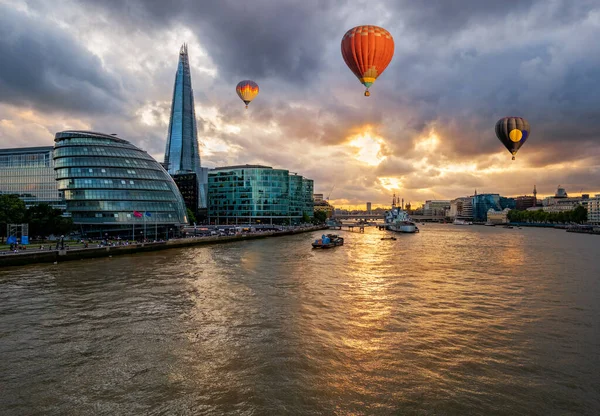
x=451, y=321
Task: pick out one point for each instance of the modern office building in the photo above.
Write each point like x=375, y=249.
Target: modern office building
x=188, y=186
x=308, y=187
x=29, y=173
x=369, y=208
x=182, y=155
x=593, y=215
x=482, y=203
x=112, y=187
x=255, y=194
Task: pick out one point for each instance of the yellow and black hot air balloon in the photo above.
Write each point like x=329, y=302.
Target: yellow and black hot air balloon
x=512, y=132
x=247, y=90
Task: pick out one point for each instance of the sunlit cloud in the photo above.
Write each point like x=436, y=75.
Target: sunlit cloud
x=368, y=148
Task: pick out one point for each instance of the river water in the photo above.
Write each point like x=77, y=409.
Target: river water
x=452, y=321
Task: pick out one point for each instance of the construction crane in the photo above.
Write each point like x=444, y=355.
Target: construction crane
x=329, y=194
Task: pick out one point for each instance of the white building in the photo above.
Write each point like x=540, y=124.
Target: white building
x=593, y=215
x=498, y=217
x=461, y=208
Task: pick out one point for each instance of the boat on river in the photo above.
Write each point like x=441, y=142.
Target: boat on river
x=328, y=241
x=399, y=221
x=462, y=222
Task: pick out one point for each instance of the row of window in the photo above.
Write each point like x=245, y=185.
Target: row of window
x=122, y=206
x=112, y=184
x=93, y=194
x=101, y=161
x=100, y=151
x=137, y=173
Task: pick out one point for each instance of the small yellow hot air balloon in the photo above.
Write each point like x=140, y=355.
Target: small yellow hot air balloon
x=247, y=90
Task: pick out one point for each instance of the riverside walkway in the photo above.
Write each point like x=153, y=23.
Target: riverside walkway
x=32, y=256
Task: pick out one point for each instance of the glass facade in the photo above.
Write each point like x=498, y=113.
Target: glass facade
x=482, y=203
x=106, y=179
x=182, y=154
x=29, y=173
x=308, y=187
x=257, y=194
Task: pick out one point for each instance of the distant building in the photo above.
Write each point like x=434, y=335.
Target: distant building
x=318, y=197
x=563, y=204
x=258, y=194
x=498, y=217
x=593, y=215
x=436, y=207
x=112, y=187
x=28, y=172
x=461, y=208
x=524, y=202
x=324, y=206
x=369, y=208
x=482, y=203
x=182, y=155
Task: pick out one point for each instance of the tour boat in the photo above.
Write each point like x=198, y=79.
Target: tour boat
x=328, y=241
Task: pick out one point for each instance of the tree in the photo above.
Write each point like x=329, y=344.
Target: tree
x=12, y=211
x=305, y=218
x=320, y=217
x=191, y=216
x=579, y=214
x=44, y=220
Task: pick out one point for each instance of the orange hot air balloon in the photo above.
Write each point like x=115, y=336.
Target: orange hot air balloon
x=247, y=90
x=367, y=50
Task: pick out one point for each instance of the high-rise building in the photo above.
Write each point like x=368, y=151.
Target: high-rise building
x=524, y=202
x=29, y=173
x=482, y=204
x=369, y=208
x=182, y=155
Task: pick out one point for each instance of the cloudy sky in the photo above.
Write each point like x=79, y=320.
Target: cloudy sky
x=426, y=132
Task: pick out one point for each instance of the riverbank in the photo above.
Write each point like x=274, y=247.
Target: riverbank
x=33, y=256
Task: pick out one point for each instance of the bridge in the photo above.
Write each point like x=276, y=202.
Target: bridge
x=380, y=217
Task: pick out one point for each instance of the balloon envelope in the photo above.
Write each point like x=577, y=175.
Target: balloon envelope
x=247, y=90
x=367, y=50
x=513, y=132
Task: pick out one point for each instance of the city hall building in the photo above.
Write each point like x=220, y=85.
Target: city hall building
x=113, y=188
x=255, y=194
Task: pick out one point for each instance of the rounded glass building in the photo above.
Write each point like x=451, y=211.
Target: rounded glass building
x=113, y=188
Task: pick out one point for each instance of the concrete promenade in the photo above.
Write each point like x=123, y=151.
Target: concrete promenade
x=50, y=256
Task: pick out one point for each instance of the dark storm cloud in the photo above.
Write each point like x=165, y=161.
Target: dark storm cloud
x=256, y=40
x=42, y=66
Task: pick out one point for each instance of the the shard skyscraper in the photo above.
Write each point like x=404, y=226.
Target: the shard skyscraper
x=182, y=157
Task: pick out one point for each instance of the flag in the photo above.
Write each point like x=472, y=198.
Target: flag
x=148, y=214
x=137, y=214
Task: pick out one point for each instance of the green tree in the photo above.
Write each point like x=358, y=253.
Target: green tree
x=305, y=218
x=320, y=217
x=12, y=211
x=191, y=216
x=44, y=220
x=579, y=214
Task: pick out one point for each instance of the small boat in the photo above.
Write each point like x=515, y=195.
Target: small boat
x=328, y=241
x=490, y=224
x=508, y=226
x=462, y=222
x=389, y=238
